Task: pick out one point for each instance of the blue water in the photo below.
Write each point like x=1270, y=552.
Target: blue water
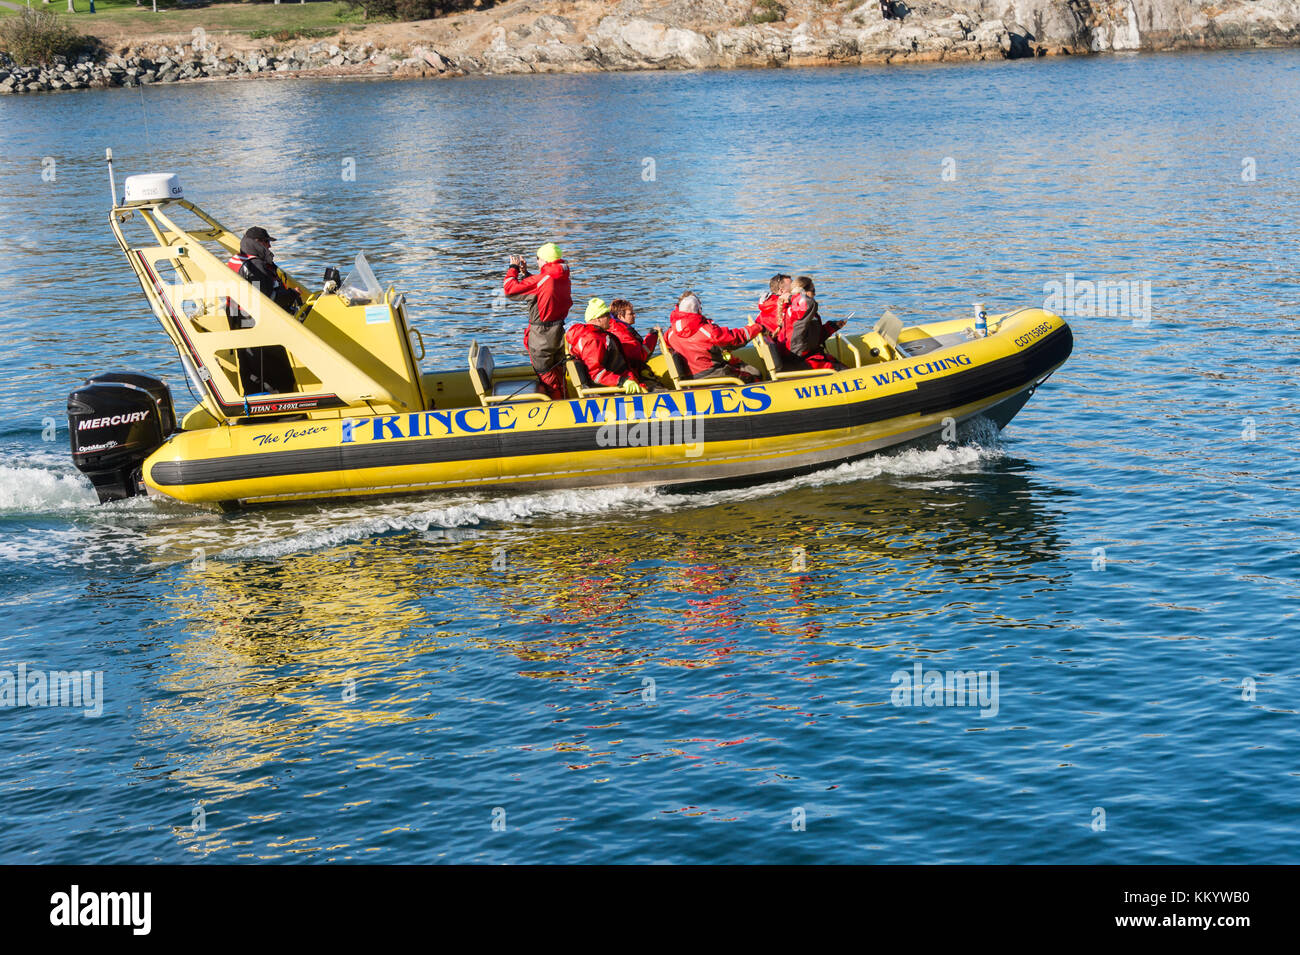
x=648, y=679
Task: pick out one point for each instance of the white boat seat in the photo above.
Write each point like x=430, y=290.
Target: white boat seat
x=882, y=340
x=482, y=368
x=775, y=362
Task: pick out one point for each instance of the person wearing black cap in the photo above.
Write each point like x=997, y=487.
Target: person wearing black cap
x=265, y=369
x=255, y=262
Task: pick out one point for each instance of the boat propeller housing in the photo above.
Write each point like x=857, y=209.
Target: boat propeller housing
x=115, y=421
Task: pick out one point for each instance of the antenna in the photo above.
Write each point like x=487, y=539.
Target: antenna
x=112, y=180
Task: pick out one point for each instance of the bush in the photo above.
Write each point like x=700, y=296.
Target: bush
x=766, y=11
x=413, y=9
x=36, y=37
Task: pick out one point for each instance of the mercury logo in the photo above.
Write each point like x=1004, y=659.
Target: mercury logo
x=89, y=424
x=103, y=908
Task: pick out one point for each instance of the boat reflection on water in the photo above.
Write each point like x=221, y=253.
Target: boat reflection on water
x=327, y=649
x=840, y=565
x=679, y=585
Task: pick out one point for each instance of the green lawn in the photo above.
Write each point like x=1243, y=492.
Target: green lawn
x=123, y=16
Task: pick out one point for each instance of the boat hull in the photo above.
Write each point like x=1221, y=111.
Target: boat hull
x=736, y=434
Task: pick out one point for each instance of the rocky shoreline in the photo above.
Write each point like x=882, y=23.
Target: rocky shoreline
x=531, y=37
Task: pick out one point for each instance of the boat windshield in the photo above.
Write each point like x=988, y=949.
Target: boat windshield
x=360, y=287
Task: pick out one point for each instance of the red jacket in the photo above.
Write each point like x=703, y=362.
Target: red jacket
x=636, y=350
x=767, y=314
x=701, y=343
x=548, y=293
x=600, y=352
x=804, y=332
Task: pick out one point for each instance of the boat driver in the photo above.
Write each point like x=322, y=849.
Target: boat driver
x=255, y=262
x=265, y=369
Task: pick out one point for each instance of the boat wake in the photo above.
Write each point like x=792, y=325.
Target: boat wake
x=49, y=515
x=472, y=512
x=559, y=506
x=28, y=490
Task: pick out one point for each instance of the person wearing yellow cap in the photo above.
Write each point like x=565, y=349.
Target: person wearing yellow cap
x=549, y=298
x=601, y=354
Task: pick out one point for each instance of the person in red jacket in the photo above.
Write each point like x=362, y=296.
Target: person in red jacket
x=703, y=345
x=805, y=331
x=771, y=310
x=549, y=300
x=637, y=350
x=601, y=353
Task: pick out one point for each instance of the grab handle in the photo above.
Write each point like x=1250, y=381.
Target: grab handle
x=416, y=333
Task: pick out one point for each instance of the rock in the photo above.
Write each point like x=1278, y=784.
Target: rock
x=746, y=41
x=992, y=35
x=1118, y=31
x=637, y=34
x=431, y=57
x=805, y=43
x=653, y=42
x=555, y=26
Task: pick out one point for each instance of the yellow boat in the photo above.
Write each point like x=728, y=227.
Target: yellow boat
x=363, y=418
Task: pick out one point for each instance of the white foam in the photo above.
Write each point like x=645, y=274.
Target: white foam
x=400, y=517
x=38, y=490
x=145, y=529
x=472, y=512
x=908, y=463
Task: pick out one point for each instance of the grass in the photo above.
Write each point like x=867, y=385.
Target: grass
x=304, y=33
x=124, y=18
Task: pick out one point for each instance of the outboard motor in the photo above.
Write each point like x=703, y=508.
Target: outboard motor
x=115, y=421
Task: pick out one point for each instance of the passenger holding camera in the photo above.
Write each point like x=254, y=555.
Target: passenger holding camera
x=549, y=300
